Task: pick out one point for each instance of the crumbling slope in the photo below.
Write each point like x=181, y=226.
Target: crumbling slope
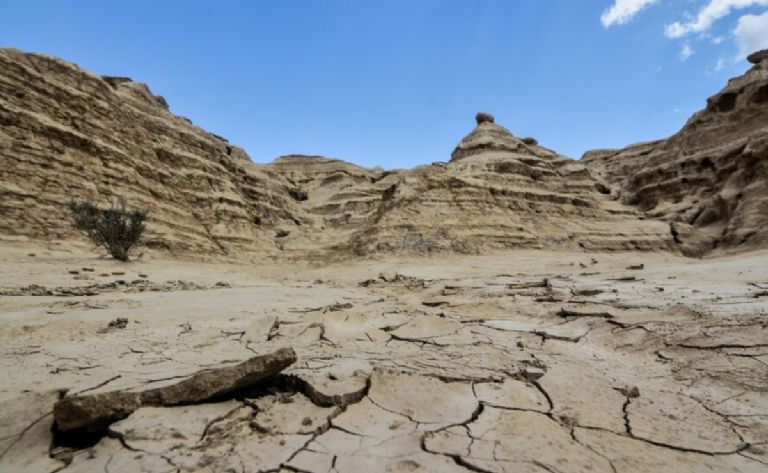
x=500, y=192
x=711, y=178
x=66, y=133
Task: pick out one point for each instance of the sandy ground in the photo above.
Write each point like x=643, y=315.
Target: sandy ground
x=523, y=361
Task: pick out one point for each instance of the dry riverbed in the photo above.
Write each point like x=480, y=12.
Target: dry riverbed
x=536, y=361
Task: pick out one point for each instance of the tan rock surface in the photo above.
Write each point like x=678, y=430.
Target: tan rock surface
x=101, y=405
x=710, y=179
x=68, y=134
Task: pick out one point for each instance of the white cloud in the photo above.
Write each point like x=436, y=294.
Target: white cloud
x=707, y=16
x=720, y=65
x=686, y=52
x=752, y=33
x=623, y=11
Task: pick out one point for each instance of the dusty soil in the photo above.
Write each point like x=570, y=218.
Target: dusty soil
x=530, y=360
x=540, y=359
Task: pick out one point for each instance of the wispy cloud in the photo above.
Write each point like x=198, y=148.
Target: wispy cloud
x=752, y=34
x=720, y=65
x=623, y=11
x=708, y=15
x=686, y=52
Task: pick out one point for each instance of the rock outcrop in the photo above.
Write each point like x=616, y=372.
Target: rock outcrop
x=711, y=178
x=339, y=198
x=103, y=406
x=66, y=133
x=498, y=192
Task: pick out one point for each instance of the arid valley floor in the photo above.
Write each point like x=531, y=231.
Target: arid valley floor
x=527, y=361
x=507, y=310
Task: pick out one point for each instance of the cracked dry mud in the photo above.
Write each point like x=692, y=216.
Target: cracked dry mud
x=529, y=361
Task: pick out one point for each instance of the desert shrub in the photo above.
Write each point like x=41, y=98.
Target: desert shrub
x=115, y=228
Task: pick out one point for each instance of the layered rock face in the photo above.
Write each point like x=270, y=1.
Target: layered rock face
x=711, y=178
x=338, y=197
x=498, y=192
x=66, y=133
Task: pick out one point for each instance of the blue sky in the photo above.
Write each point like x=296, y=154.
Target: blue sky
x=397, y=83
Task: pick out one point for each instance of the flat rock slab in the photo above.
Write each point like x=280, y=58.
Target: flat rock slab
x=83, y=410
x=512, y=394
x=729, y=337
x=426, y=327
x=501, y=440
x=580, y=405
x=157, y=430
x=681, y=422
x=17, y=414
x=258, y=330
x=25, y=433
x=569, y=331
x=628, y=454
x=368, y=420
x=426, y=400
x=288, y=415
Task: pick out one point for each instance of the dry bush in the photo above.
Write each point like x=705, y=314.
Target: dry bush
x=115, y=228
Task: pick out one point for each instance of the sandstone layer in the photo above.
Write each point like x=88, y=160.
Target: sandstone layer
x=67, y=133
x=711, y=178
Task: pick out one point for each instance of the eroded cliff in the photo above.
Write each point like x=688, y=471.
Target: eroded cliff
x=66, y=133
x=711, y=178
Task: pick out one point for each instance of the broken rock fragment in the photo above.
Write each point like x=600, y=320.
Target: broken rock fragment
x=103, y=407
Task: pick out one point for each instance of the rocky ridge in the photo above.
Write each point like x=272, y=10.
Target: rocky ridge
x=711, y=178
x=498, y=192
x=67, y=133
